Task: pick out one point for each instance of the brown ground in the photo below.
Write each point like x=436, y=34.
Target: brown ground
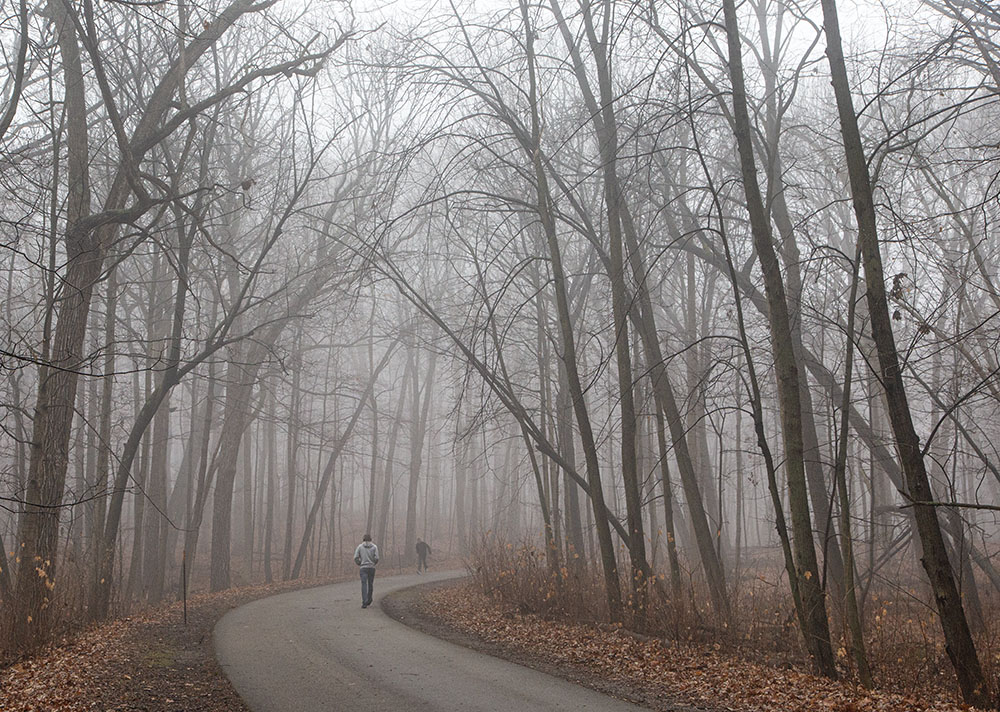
x=662, y=675
x=146, y=663
x=154, y=663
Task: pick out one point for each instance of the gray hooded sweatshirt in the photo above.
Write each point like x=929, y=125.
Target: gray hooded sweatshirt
x=366, y=555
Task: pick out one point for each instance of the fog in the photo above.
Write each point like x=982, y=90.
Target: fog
x=561, y=278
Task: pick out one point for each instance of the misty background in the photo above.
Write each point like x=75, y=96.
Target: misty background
x=697, y=336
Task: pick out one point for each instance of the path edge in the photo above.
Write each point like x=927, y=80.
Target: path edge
x=403, y=606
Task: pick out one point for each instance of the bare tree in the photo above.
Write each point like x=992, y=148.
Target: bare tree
x=960, y=646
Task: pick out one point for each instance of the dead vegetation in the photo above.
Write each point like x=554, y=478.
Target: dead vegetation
x=151, y=661
x=755, y=661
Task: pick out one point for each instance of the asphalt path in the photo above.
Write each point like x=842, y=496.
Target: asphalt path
x=317, y=650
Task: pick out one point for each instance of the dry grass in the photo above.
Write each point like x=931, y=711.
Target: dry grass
x=662, y=675
x=903, y=637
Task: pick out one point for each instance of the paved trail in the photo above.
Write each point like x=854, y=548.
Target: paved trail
x=317, y=651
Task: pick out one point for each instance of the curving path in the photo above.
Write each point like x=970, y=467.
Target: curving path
x=316, y=650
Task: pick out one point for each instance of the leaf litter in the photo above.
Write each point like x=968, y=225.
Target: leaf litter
x=152, y=662
x=148, y=662
x=658, y=673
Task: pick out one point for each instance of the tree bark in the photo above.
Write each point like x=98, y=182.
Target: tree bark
x=817, y=634
x=958, y=638
x=569, y=354
x=28, y=619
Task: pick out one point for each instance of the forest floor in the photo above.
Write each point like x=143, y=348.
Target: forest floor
x=148, y=662
x=659, y=674
x=152, y=662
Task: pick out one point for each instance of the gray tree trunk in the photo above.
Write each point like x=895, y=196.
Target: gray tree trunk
x=816, y=631
x=958, y=638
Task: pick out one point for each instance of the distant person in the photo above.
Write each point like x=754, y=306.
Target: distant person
x=366, y=556
x=422, y=551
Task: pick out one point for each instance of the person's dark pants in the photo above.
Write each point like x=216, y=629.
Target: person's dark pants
x=367, y=585
x=421, y=562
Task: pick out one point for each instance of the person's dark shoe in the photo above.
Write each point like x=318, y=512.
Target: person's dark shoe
x=364, y=605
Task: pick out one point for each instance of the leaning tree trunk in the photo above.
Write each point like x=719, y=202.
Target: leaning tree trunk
x=331, y=465
x=958, y=638
x=852, y=612
x=789, y=252
x=605, y=129
x=642, y=318
x=607, y=135
x=569, y=354
x=668, y=511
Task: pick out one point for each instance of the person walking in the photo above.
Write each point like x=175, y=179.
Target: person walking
x=366, y=556
x=422, y=551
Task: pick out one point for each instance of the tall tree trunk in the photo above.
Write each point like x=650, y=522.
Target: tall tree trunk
x=385, y=503
x=241, y=374
x=812, y=457
x=696, y=414
x=28, y=619
x=817, y=632
x=958, y=638
x=154, y=556
x=154, y=486
x=373, y=472
x=568, y=339
x=271, y=464
x=418, y=433
x=548, y=493
x=668, y=512
x=606, y=132
x=576, y=551
x=851, y=608
x=138, y=505
x=247, y=448
x=180, y=502
x=769, y=58
x=6, y=590
x=192, y=525
x=461, y=475
x=103, y=464
x=292, y=465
